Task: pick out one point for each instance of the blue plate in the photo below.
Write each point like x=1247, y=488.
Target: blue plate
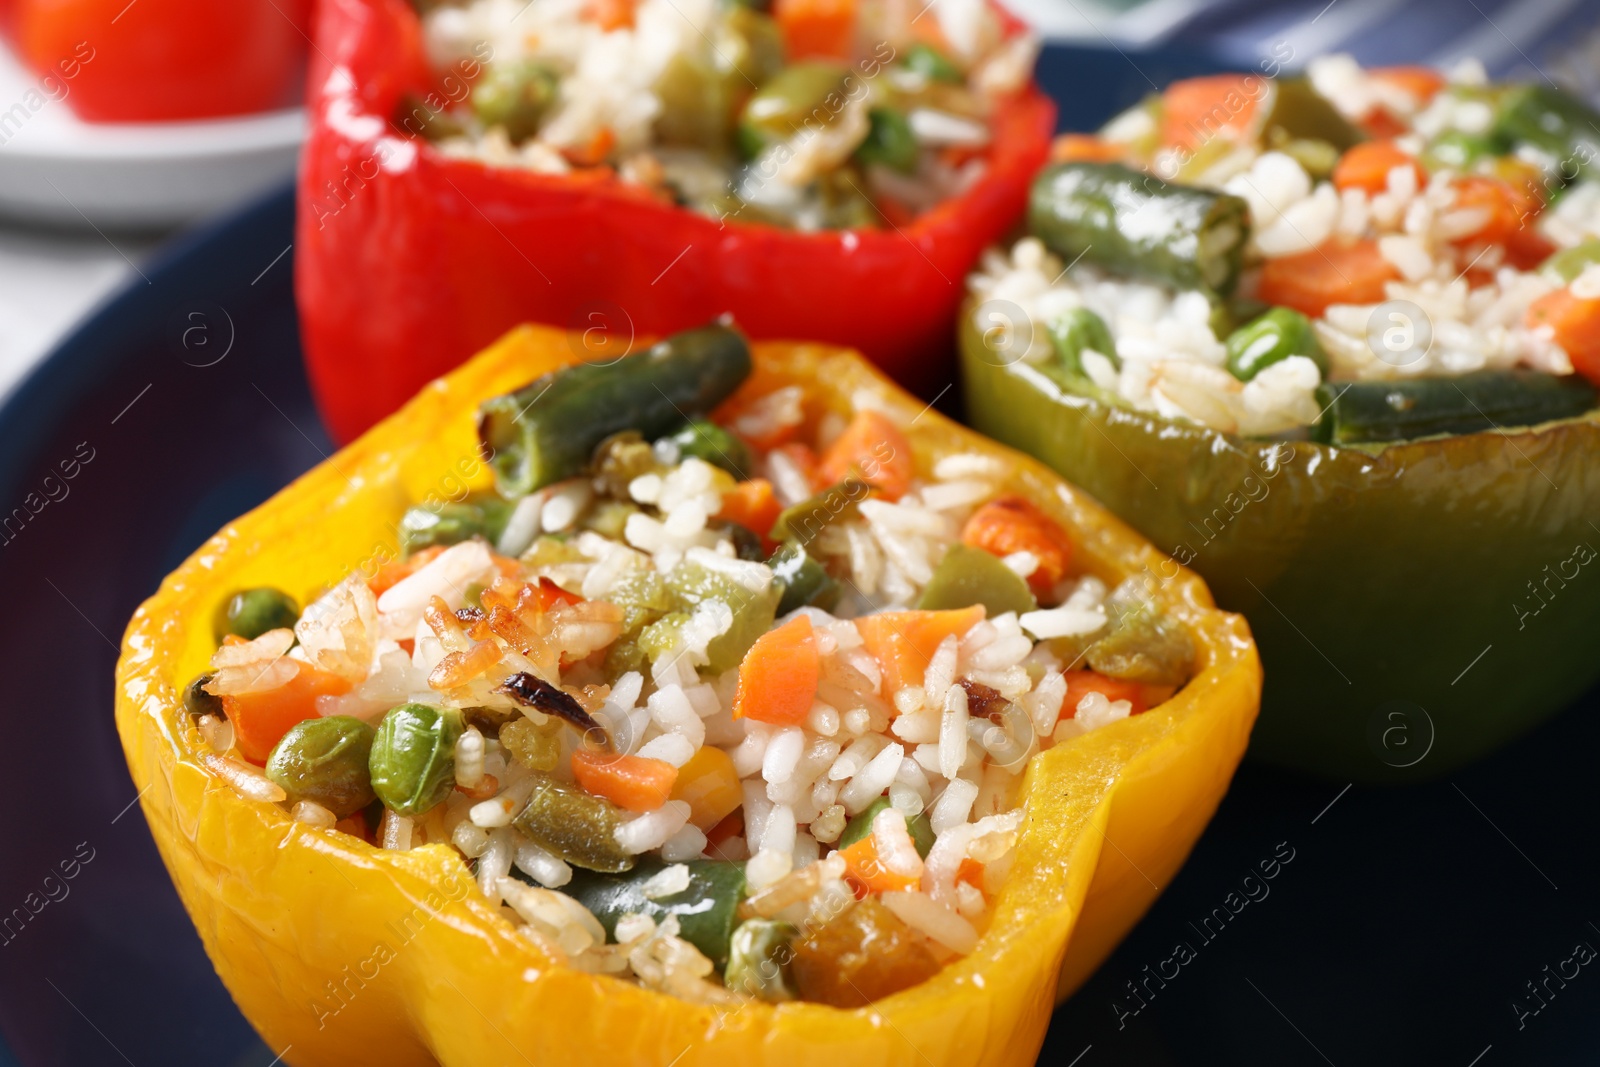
x=1397, y=927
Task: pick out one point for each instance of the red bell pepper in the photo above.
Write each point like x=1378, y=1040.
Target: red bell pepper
x=407, y=261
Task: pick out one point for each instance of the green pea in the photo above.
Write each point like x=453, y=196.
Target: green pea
x=889, y=141
x=758, y=960
x=426, y=525
x=197, y=702
x=967, y=576
x=1077, y=329
x=707, y=441
x=804, y=579
x=1568, y=263
x=918, y=826
x=801, y=95
x=932, y=64
x=249, y=613
x=515, y=96
x=1275, y=336
x=413, y=759
x=326, y=761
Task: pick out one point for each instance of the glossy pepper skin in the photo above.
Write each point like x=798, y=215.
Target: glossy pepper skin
x=1373, y=577
x=284, y=909
x=456, y=253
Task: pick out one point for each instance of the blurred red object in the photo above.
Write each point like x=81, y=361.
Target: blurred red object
x=162, y=60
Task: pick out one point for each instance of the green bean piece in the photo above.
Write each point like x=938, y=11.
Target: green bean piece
x=1300, y=114
x=967, y=576
x=705, y=440
x=753, y=612
x=758, y=960
x=575, y=825
x=1272, y=338
x=889, y=142
x=918, y=826
x=802, y=95
x=425, y=525
x=548, y=429
x=1376, y=411
x=1143, y=644
x=804, y=579
x=326, y=761
x=803, y=522
x=707, y=911
x=413, y=762
x=932, y=64
x=1458, y=150
x=199, y=703
x=1555, y=122
x=1075, y=330
x=1564, y=266
x=249, y=613
x=1132, y=223
x=515, y=96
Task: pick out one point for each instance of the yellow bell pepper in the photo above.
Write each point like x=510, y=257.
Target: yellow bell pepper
x=343, y=953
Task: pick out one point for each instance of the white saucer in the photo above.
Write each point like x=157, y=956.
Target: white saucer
x=55, y=168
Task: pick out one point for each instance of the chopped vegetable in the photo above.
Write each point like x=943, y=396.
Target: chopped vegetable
x=753, y=612
x=1131, y=222
x=537, y=748
x=1011, y=524
x=515, y=97
x=805, y=581
x=426, y=526
x=249, y=613
x=758, y=960
x=778, y=678
x=1143, y=645
x=1336, y=273
x=817, y=27
x=706, y=440
x=707, y=911
x=752, y=504
x=1511, y=211
x=873, y=449
x=1567, y=264
x=1366, y=167
x=548, y=429
x=634, y=783
x=1273, y=338
x=260, y=719
x=1302, y=117
x=903, y=642
x=967, y=576
x=1195, y=110
x=803, y=522
x=325, y=761
x=577, y=826
x=932, y=64
x=1074, y=331
x=1379, y=411
x=1574, y=323
x=861, y=826
x=710, y=786
x=889, y=142
x=862, y=954
x=866, y=869
x=1554, y=122
x=792, y=101
x=414, y=756
x=1081, y=683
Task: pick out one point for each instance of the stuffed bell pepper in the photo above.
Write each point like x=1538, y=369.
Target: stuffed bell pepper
x=626, y=168
x=1333, y=342
x=707, y=706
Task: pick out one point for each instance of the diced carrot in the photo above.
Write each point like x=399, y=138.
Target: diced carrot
x=1081, y=683
x=1335, y=273
x=1366, y=166
x=752, y=505
x=1511, y=211
x=903, y=642
x=710, y=786
x=778, y=678
x=609, y=14
x=1575, y=325
x=636, y=783
x=873, y=449
x=863, y=867
x=593, y=152
x=1011, y=524
x=1421, y=82
x=970, y=872
x=823, y=29
x=391, y=573
x=1196, y=110
x=1086, y=148
x=261, y=719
